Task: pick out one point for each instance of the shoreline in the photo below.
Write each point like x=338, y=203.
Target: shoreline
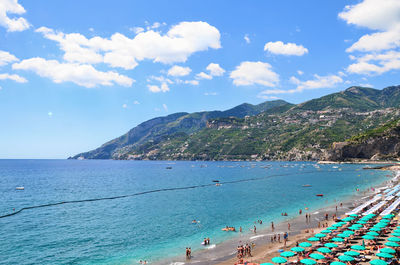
x=226, y=254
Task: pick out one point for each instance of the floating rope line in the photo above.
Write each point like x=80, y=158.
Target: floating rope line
x=155, y=191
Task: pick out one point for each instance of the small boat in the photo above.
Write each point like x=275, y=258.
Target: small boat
x=215, y=180
x=168, y=168
x=19, y=188
x=306, y=185
x=319, y=195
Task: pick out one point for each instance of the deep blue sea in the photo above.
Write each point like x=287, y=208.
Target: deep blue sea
x=155, y=225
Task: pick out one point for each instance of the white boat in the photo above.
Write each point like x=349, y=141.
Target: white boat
x=19, y=188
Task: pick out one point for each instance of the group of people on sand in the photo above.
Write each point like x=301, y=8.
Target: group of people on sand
x=206, y=241
x=188, y=253
x=244, y=251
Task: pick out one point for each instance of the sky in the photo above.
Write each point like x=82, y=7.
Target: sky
x=76, y=74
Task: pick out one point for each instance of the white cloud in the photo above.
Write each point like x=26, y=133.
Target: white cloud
x=192, y=82
x=136, y=102
x=299, y=72
x=137, y=30
x=6, y=58
x=181, y=41
x=83, y=75
x=203, y=75
x=246, y=38
x=177, y=70
x=160, y=79
x=165, y=107
x=215, y=69
x=156, y=89
x=12, y=24
x=210, y=94
x=318, y=82
x=50, y=114
x=367, y=85
x=266, y=97
x=279, y=47
x=375, y=63
x=13, y=77
x=124, y=106
x=254, y=73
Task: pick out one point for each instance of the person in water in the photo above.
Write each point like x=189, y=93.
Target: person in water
x=255, y=229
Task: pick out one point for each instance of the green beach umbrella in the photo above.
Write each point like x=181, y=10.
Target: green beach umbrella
x=353, y=228
x=371, y=215
x=380, y=225
x=348, y=219
x=361, y=222
x=345, y=258
x=319, y=235
x=384, y=255
x=357, y=225
x=378, y=262
x=330, y=245
x=368, y=237
x=308, y=261
x=331, y=228
x=337, y=225
x=324, y=250
x=297, y=249
x=392, y=244
x=326, y=231
x=371, y=233
x=352, y=253
x=279, y=260
x=388, y=216
x=353, y=215
x=376, y=229
x=394, y=239
x=396, y=231
x=266, y=263
x=337, y=239
x=313, y=239
x=387, y=250
x=348, y=232
x=395, y=234
x=287, y=254
x=358, y=247
x=337, y=263
x=384, y=221
x=343, y=235
x=305, y=244
x=317, y=256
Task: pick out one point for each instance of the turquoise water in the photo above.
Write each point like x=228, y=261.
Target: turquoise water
x=155, y=225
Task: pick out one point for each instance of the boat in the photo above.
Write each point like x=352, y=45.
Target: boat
x=168, y=168
x=306, y=185
x=319, y=195
x=19, y=188
x=215, y=180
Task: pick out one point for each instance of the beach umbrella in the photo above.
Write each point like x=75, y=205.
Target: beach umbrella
x=371, y=215
x=308, y=261
x=319, y=235
x=330, y=245
x=384, y=221
x=297, y=249
x=305, y=244
x=361, y=222
x=353, y=228
x=387, y=250
x=376, y=229
x=326, y=231
x=345, y=258
x=384, y=255
x=331, y=228
x=394, y=239
x=353, y=215
x=388, y=216
x=352, y=253
x=343, y=235
x=357, y=225
x=378, y=262
x=396, y=231
x=371, y=233
x=380, y=225
x=317, y=256
x=337, y=263
x=348, y=219
x=348, y=232
x=358, y=247
x=395, y=234
x=266, y=263
x=313, y=239
x=324, y=250
x=392, y=244
x=279, y=260
x=287, y=254
x=337, y=239
x=368, y=237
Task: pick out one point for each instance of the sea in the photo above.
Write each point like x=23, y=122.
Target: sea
x=121, y=212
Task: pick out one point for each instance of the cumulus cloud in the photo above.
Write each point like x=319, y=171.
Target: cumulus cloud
x=318, y=82
x=176, y=45
x=279, y=47
x=136, y=102
x=13, y=77
x=165, y=107
x=156, y=89
x=210, y=94
x=254, y=73
x=203, y=75
x=299, y=72
x=137, y=30
x=177, y=70
x=83, y=75
x=124, y=106
x=6, y=58
x=375, y=63
x=12, y=24
x=246, y=38
x=215, y=69
x=192, y=82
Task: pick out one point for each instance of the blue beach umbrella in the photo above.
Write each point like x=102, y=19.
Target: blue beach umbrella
x=337, y=239
x=387, y=250
x=326, y=231
x=279, y=260
x=371, y=233
x=266, y=263
x=357, y=247
x=352, y=253
x=312, y=239
x=324, y=250
x=368, y=237
x=348, y=219
x=376, y=229
x=331, y=228
x=378, y=262
x=319, y=235
x=331, y=245
x=384, y=255
x=392, y=244
x=394, y=239
x=353, y=215
x=297, y=249
x=287, y=254
x=337, y=263
x=357, y=225
x=317, y=256
x=305, y=244
x=345, y=258
x=308, y=261
x=343, y=235
x=395, y=234
x=348, y=232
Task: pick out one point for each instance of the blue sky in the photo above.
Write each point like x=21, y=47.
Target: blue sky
x=75, y=74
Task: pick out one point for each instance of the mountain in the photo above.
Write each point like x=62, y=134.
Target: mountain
x=275, y=131
x=158, y=128
x=381, y=143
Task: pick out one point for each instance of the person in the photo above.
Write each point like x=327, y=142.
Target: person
x=279, y=238
x=285, y=236
x=300, y=211
x=288, y=226
x=240, y=229
x=272, y=226
x=297, y=243
x=190, y=253
x=208, y=241
x=255, y=229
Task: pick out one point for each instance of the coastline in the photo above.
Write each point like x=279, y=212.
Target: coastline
x=225, y=252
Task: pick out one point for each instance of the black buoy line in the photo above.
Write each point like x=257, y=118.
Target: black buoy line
x=154, y=191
